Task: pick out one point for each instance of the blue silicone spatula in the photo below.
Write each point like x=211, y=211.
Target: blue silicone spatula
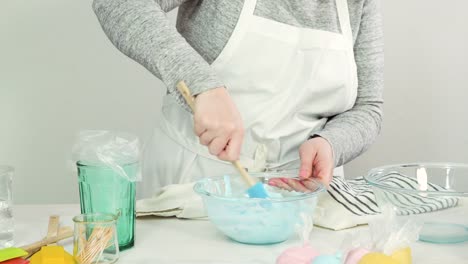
x=256, y=189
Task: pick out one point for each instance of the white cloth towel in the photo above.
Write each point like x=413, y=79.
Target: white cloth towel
x=177, y=200
x=347, y=203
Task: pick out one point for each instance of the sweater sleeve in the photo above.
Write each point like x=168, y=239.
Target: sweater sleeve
x=141, y=30
x=352, y=132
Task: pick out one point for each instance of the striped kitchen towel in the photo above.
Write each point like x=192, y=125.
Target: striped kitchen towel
x=358, y=197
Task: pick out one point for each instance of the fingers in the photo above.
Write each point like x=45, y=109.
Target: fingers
x=307, y=156
x=217, y=145
x=218, y=123
x=233, y=148
x=289, y=184
x=207, y=137
x=310, y=184
x=278, y=182
x=323, y=171
x=296, y=185
x=223, y=140
x=199, y=126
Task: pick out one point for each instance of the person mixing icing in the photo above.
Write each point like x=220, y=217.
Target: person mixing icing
x=278, y=84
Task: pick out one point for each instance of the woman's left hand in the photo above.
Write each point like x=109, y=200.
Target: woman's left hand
x=316, y=163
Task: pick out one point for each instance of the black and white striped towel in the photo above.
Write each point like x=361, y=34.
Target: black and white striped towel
x=358, y=197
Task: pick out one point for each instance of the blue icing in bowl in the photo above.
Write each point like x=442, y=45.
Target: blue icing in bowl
x=253, y=220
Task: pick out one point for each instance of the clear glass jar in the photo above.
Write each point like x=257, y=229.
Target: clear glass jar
x=6, y=202
x=95, y=239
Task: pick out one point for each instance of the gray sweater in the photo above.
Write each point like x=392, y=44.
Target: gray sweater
x=140, y=29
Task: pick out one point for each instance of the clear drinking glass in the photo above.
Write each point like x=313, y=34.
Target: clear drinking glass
x=6, y=202
x=95, y=239
x=103, y=190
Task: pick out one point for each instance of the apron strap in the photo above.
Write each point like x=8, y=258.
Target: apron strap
x=345, y=22
x=245, y=17
x=249, y=7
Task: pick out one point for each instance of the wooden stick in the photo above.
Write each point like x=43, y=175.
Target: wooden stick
x=93, y=248
x=53, y=228
x=63, y=234
x=250, y=181
x=185, y=91
x=52, y=231
x=61, y=231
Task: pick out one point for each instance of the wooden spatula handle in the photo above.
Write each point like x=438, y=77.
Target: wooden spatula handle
x=185, y=91
x=243, y=173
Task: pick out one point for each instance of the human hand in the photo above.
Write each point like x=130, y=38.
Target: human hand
x=316, y=163
x=218, y=124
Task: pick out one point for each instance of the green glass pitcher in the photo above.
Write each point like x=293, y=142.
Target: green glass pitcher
x=104, y=190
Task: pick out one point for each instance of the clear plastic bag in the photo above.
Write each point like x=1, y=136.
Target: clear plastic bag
x=108, y=148
x=390, y=234
x=387, y=238
x=304, y=229
x=304, y=253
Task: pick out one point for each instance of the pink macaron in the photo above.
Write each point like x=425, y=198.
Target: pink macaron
x=297, y=255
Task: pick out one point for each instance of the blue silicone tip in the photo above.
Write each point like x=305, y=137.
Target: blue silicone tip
x=257, y=191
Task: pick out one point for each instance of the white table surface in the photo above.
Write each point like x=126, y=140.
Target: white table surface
x=170, y=240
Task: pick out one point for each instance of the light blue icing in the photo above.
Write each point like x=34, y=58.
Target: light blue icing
x=227, y=186
x=328, y=259
x=254, y=221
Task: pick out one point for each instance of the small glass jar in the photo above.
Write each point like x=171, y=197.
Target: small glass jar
x=6, y=202
x=95, y=239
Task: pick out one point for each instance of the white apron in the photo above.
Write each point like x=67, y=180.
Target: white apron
x=286, y=81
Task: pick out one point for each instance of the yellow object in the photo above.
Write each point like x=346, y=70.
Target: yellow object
x=52, y=255
x=377, y=258
x=403, y=256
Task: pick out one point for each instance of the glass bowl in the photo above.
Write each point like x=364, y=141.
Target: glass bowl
x=254, y=220
x=433, y=194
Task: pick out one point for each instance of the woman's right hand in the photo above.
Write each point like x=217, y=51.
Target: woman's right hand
x=218, y=124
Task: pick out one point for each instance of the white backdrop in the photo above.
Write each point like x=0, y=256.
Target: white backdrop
x=60, y=74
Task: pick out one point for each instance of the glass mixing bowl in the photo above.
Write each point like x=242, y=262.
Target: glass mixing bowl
x=253, y=220
x=433, y=194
